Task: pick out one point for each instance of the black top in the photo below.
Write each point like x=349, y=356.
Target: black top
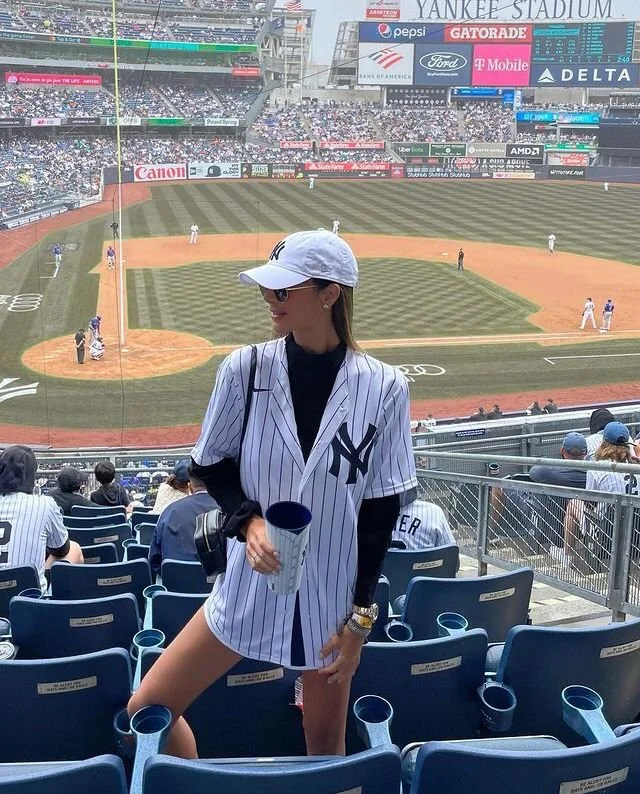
x=111, y=495
x=80, y=339
x=66, y=500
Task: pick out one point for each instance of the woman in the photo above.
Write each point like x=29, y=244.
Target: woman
x=328, y=427
x=176, y=487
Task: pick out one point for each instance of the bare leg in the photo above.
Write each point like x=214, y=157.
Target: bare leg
x=193, y=661
x=573, y=516
x=74, y=555
x=325, y=714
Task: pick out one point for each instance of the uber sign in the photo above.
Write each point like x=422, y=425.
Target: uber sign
x=528, y=151
x=621, y=75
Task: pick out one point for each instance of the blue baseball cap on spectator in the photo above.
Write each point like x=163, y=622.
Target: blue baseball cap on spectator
x=575, y=444
x=181, y=470
x=616, y=433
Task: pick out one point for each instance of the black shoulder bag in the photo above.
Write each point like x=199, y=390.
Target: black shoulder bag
x=210, y=539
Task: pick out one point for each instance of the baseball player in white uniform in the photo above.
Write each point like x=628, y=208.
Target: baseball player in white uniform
x=606, y=187
x=336, y=226
x=312, y=182
x=552, y=243
x=31, y=528
x=422, y=525
x=193, y=239
x=360, y=457
x=587, y=314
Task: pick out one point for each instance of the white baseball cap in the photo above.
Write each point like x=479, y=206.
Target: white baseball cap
x=305, y=255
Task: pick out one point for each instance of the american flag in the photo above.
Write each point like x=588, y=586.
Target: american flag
x=293, y=5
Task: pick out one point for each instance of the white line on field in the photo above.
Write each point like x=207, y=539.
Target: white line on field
x=553, y=360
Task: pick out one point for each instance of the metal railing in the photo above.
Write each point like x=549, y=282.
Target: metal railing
x=582, y=542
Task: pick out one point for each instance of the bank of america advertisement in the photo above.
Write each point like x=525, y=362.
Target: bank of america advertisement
x=380, y=65
x=518, y=10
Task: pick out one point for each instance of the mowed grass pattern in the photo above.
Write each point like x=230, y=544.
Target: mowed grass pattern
x=397, y=298
x=584, y=218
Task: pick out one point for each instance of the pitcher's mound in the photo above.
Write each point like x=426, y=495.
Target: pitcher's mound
x=148, y=353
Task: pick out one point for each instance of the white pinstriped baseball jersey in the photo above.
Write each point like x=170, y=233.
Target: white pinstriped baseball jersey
x=422, y=525
x=28, y=526
x=362, y=451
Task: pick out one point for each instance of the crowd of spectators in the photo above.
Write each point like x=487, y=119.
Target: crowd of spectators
x=280, y=124
x=20, y=102
x=237, y=101
x=425, y=124
x=488, y=121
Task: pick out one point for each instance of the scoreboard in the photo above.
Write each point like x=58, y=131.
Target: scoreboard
x=599, y=42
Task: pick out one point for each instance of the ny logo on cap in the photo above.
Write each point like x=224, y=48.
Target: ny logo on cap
x=279, y=248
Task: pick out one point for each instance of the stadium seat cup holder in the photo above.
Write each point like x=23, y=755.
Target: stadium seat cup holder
x=373, y=715
x=31, y=592
x=143, y=641
x=398, y=631
x=450, y=624
x=582, y=712
x=5, y=629
x=141, y=737
x=497, y=706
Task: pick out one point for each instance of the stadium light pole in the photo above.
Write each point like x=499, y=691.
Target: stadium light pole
x=120, y=259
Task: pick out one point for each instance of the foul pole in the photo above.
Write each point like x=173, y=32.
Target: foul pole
x=120, y=256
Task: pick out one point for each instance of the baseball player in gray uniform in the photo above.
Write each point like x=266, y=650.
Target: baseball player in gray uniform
x=31, y=528
x=328, y=427
x=587, y=314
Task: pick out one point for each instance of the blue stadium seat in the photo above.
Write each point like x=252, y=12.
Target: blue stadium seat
x=75, y=582
x=143, y=518
x=493, y=603
x=225, y=719
x=136, y=551
x=62, y=709
x=372, y=772
x=14, y=580
x=431, y=685
x=114, y=533
x=144, y=532
x=91, y=522
x=402, y=565
x=539, y=662
x=170, y=612
x=184, y=577
x=457, y=768
x=45, y=629
x=101, y=775
x=82, y=511
x=100, y=554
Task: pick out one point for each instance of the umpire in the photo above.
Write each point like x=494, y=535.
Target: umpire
x=80, y=340
x=461, y=259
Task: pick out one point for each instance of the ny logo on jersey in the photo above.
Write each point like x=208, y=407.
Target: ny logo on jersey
x=275, y=254
x=343, y=447
x=9, y=392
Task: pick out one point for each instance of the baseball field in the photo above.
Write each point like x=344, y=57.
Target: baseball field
x=506, y=330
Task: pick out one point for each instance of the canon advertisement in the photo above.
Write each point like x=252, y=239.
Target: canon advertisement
x=159, y=173
x=215, y=170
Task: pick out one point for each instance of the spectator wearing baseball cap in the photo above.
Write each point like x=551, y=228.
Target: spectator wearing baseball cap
x=597, y=422
x=67, y=494
x=176, y=487
x=574, y=447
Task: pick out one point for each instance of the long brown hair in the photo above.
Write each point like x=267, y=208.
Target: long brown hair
x=341, y=313
x=613, y=452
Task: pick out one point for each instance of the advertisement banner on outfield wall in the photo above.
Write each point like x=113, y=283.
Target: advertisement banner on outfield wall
x=110, y=174
x=382, y=9
x=396, y=171
x=380, y=65
x=488, y=32
x=517, y=10
x=482, y=149
x=568, y=158
x=347, y=170
x=12, y=122
x=287, y=171
x=215, y=170
x=125, y=121
x=448, y=150
x=220, y=121
x=83, y=121
x=567, y=172
x=296, y=144
x=352, y=144
x=513, y=175
x=46, y=122
x=529, y=151
x=256, y=170
x=501, y=65
x=411, y=149
x=162, y=172
x=437, y=172
x=44, y=79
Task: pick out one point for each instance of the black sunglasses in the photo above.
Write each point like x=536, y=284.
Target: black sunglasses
x=281, y=295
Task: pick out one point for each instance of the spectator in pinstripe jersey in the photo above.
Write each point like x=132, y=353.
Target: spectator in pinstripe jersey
x=421, y=525
x=31, y=528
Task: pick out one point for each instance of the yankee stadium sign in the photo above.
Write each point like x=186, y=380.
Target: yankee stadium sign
x=518, y=10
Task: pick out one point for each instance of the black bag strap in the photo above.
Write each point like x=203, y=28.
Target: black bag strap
x=247, y=403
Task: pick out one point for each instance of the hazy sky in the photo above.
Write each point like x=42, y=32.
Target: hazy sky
x=329, y=13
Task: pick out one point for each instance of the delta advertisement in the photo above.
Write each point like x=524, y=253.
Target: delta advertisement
x=44, y=79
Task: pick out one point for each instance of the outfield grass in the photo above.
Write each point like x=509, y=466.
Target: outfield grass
x=397, y=298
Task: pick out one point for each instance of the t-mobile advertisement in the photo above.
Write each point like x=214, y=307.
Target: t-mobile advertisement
x=501, y=65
